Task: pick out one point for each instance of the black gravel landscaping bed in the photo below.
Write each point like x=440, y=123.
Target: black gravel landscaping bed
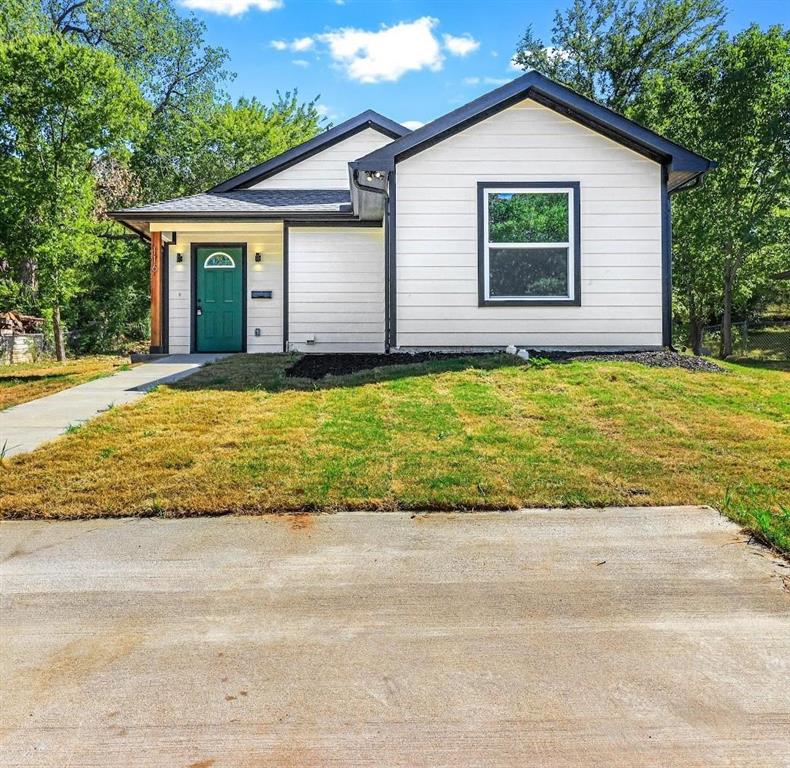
x=662, y=358
x=316, y=366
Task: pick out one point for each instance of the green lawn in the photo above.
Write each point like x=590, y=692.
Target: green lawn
x=458, y=434
x=28, y=381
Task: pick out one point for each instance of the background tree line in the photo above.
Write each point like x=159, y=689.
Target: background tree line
x=669, y=65
x=112, y=103
x=106, y=104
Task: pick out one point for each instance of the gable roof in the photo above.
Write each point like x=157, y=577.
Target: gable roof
x=683, y=164
x=363, y=121
x=245, y=202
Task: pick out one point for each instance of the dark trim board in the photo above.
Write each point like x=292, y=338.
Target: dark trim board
x=285, y=285
x=240, y=216
x=165, y=262
x=666, y=262
x=193, y=290
x=350, y=223
x=391, y=266
x=576, y=301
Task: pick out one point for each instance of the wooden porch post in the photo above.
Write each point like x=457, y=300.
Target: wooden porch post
x=156, y=292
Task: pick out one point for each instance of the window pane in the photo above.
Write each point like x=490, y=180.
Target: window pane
x=219, y=260
x=534, y=217
x=528, y=272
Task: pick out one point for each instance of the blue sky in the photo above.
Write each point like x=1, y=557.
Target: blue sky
x=409, y=60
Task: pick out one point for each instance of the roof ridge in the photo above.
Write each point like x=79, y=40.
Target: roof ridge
x=682, y=161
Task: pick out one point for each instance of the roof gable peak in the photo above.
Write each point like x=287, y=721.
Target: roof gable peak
x=367, y=119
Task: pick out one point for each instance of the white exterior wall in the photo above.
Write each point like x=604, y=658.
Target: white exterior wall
x=266, y=314
x=336, y=289
x=327, y=169
x=436, y=236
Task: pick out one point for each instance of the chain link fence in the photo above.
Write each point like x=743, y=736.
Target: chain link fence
x=765, y=339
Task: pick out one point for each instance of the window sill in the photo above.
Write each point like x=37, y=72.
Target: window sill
x=529, y=302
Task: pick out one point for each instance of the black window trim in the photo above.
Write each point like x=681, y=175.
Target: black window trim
x=482, y=299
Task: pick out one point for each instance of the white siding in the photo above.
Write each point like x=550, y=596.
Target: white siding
x=437, y=236
x=266, y=314
x=336, y=289
x=327, y=169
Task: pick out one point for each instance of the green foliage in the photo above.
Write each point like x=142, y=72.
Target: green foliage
x=145, y=118
x=188, y=153
x=536, y=217
x=62, y=105
x=162, y=50
x=731, y=103
x=665, y=64
x=605, y=49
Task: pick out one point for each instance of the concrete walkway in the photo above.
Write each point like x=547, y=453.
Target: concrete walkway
x=543, y=638
x=27, y=426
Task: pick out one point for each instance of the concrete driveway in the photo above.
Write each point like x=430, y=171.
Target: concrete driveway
x=620, y=637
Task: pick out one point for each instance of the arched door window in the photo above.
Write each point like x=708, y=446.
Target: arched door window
x=219, y=260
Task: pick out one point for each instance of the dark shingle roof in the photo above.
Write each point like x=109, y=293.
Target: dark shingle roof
x=248, y=201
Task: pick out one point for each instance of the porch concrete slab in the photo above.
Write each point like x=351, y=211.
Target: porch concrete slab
x=544, y=638
x=27, y=426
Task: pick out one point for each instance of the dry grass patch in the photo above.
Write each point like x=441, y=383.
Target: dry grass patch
x=29, y=381
x=451, y=434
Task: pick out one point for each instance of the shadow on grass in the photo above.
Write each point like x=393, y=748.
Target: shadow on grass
x=28, y=378
x=267, y=372
x=754, y=362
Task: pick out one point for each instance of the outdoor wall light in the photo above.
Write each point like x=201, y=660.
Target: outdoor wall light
x=179, y=258
x=258, y=257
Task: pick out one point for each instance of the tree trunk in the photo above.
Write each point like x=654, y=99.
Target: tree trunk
x=726, y=317
x=695, y=334
x=696, y=325
x=57, y=330
x=29, y=275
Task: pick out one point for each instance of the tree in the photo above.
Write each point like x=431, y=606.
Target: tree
x=62, y=105
x=606, y=49
x=164, y=51
x=202, y=149
x=731, y=103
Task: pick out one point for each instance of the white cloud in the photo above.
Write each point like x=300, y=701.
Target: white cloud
x=412, y=125
x=461, y=45
x=299, y=45
x=514, y=65
x=302, y=44
x=382, y=55
x=387, y=54
x=232, y=7
x=301, y=62
x=486, y=80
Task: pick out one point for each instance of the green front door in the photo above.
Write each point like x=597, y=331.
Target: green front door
x=218, y=299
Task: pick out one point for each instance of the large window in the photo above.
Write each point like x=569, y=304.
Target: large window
x=529, y=243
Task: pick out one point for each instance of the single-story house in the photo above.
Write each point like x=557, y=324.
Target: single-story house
x=531, y=216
